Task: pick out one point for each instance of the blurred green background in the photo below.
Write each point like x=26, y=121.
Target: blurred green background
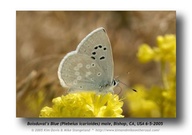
x=44, y=37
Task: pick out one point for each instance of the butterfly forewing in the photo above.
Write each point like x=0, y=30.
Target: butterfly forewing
x=96, y=46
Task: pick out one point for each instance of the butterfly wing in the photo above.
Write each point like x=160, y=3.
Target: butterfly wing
x=90, y=67
x=80, y=72
x=97, y=46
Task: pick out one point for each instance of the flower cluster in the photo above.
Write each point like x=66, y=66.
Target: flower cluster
x=84, y=104
x=157, y=101
x=164, y=52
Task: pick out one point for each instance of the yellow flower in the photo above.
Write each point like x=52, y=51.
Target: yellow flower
x=157, y=101
x=145, y=53
x=141, y=104
x=167, y=42
x=167, y=47
x=84, y=104
x=166, y=50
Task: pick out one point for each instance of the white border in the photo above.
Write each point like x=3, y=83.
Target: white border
x=8, y=51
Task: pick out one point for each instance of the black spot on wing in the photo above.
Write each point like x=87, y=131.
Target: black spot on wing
x=101, y=58
x=100, y=46
x=93, y=53
x=93, y=57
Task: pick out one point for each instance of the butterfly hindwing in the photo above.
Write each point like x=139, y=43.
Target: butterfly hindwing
x=79, y=72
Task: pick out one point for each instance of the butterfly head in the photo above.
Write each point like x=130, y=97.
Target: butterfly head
x=109, y=87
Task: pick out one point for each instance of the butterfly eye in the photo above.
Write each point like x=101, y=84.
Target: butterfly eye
x=114, y=83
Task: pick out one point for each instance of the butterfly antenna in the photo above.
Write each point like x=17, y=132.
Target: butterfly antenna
x=134, y=90
x=116, y=78
x=127, y=86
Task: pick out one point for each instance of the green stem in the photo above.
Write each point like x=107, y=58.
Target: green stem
x=164, y=75
x=165, y=82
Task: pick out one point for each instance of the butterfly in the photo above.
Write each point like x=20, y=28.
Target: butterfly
x=90, y=67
